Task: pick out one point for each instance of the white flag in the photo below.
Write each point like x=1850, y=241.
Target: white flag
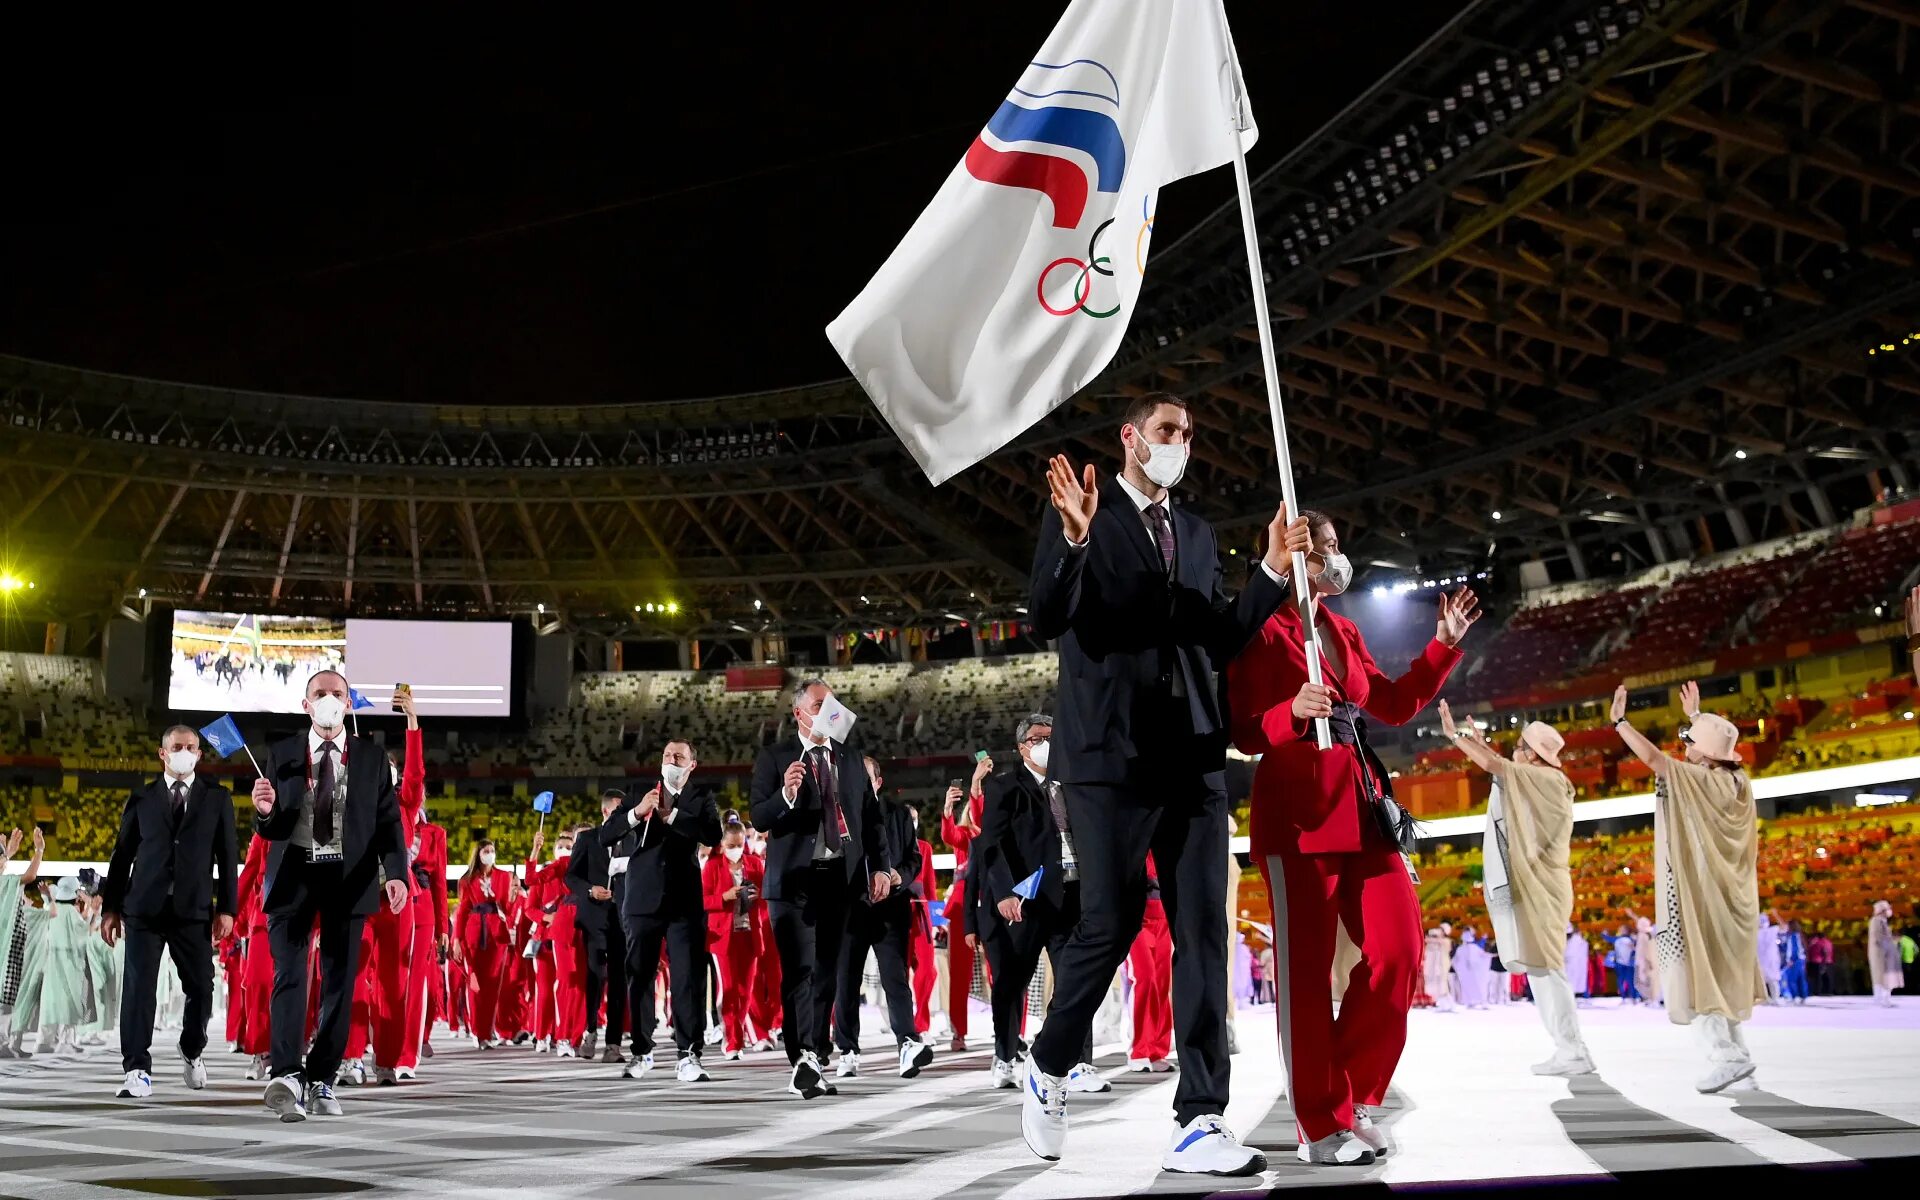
x=1015, y=286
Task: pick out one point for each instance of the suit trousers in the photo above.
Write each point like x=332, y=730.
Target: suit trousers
x=883, y=928
x=190, y=943
x=606, y=972
x=808, y=931
x=1013, y=950
x=1181, y=818
x=1331, y=1064
x=290, y=931
x=685, y=940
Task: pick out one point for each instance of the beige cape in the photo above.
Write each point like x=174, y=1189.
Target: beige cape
x=1707, y=843
x=1537, y=810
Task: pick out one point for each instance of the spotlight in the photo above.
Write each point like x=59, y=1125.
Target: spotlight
x=1741, y=454
x=1381, y=591
x=1496, y=514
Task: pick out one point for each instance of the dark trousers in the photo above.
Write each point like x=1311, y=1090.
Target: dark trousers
x=289, y=931
x=808, y=930
x=606, y=975
x=1182, y=819
x=1013, y=951
x=884, y=929
x=685, y=939
x=190, y=942
x=1822, y=978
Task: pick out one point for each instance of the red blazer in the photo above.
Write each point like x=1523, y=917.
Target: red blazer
x=929, y=890
x=959, y=838
x=716, y=880
x=473, y=925
x=430, y=902
x=252, y=919
x=1305, y=799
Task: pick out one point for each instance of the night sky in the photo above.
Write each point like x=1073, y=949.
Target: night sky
x=553, y=209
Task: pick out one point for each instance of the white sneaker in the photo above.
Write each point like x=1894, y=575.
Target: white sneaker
x=1340, y=1149
x=690, y=1070
x=807, y=1082
x=385, y=1076
x=258, y=1068
x=1087, y=1078
x=233, y=1047
x=637, y=1066
x=762, y=1046
x=564, y=1050
x=1722, y=1075
x=1043, y=1112
x=736, y=1055
x=914, y=1057
x=403, y=1073
x=849, y=1065
x=287, y=1098
x=713, y=1035
x=1160, y=1066
x=1370, y=1135
x=138, y=1086
x=1205, y=1146
x=1002, y=1075
x=353, y=1073
x=320, y=1100
x=194, y=1072
x=1564, y=1066
x=588, y=1042
x=1139, y=1066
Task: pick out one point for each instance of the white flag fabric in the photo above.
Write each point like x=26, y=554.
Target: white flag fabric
x=1016, y=285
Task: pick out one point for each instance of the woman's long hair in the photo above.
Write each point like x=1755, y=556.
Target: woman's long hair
x=473, y=860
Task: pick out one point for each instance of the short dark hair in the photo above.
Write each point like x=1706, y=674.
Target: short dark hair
x=173, y=729
x=317, y=674
x=1139, y=408
x=1027, y=723
x=801, y=689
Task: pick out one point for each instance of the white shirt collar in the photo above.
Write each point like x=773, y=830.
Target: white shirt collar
x=314, y=739
x=807, y=745
x=1037, y=776
x=186, y=779
x=1140, y=499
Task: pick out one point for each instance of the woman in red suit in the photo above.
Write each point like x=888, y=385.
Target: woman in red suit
x=425, y=919
x=737, y=930
x=486, y=897
x=920, y=943
x=394, y=934
x=959, y=834
x=256, y=967
x=1324, y=857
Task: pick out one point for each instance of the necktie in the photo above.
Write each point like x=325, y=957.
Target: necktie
x=1058, y=802
x=323, y=797
x=1162, y=533
x=829, y=802
x=179, y=801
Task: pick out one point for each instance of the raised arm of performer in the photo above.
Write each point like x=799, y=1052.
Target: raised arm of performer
x=1468, y=738
x=1636, y=741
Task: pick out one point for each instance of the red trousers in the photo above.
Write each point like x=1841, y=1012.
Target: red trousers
x=256, y=995
x=229, y=952
x=457, y=997
x=765, y=1011
x=738, y=957
x=959, y=978
x=925, y=973
x=570, y=979
x=393, y=947
x=416, y=1010
x=1331, y=1064
x=360, y=1028
x=514, y=1014
x=1152, y=962
x=486, y=974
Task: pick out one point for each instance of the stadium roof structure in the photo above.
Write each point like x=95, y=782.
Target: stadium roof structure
x=1574, y=278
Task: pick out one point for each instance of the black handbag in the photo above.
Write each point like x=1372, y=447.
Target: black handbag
x=1395, y=823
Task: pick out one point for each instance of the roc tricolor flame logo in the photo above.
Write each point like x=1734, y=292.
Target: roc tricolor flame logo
x=1058, y=135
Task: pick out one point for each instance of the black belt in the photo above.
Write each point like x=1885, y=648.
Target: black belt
x=422, y=876
x=1348, y=727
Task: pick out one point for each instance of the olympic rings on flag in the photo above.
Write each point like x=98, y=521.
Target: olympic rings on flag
x=1093, y=264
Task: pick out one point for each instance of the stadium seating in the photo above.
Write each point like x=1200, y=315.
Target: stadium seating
x=1547, y=641
x=1841, y=584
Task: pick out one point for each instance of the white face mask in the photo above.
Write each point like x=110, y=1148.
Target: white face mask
x=563, y=851
x=393, y=773
x=674, y=777
x=733, y=853
x=328, y=711
x=181, y=762
x=486, y=858
x=1337, y=575
x=1038, y=756
x=1165, y=463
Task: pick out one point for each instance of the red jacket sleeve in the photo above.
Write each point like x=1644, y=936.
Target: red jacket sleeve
x=439, y=874
x=466, y=906
x=715, y=880
x=413, y=773
x=1397, y=701
x=1261, y=685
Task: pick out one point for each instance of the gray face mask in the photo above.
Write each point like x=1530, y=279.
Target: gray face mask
x=1336, y=575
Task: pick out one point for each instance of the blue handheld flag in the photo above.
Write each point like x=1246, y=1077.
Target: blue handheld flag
x=224, y=736
x=358, y=701
x=1029, y=887
x=543, y=803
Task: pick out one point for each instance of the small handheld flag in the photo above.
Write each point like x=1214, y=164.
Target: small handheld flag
x=543, y=804
x=224, y=736
x=358, y=701
x=834, y=719
x=1029, y=887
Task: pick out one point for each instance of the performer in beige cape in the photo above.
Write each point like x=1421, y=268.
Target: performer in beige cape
x=1883, y=954
x=1437, y=966
x=1706, y=884
x=1526, y=880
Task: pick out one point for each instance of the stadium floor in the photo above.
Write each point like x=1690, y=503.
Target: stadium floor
x=1839, y=1084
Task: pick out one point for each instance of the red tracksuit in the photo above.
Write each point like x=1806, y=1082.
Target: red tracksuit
x=427, y=912
x=1326, y=864
x=552, y=920
x=960, y=955
x=1151, y=961
x=740, y=951
x=482, y=930
x=256, y=967
x=920, y=958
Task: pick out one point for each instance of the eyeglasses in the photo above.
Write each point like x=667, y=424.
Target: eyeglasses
x=1036, y=741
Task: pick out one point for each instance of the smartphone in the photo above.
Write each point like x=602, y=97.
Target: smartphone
x=399, y=690
x=979, y=756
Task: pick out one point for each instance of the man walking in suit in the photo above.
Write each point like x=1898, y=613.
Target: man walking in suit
x=1131, y=588
x=176, y=835
x=885, y=928
x=602, y=941
x=328, y=809
x=1025, y=830
x=661, y=833
x=826, y=852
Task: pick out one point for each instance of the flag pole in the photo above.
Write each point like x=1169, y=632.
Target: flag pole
x=1263, y=327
